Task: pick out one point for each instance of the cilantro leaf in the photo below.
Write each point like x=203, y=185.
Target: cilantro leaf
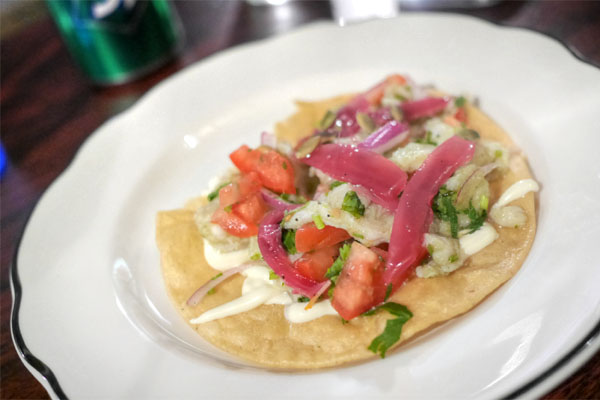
x=289, y=241
x=460, y=101
x=443, y=207
x=303, y=299
x=477, y=219
x=215, y=193
x=393, y=328
x=426, y=140
x=388, y=292
x=335, y=184
x=336, y=268
x=353, y=205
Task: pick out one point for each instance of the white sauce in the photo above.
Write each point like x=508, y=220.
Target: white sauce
x=471, y=243
x=258, y=289
x=296, y=313
x=224, y=261
x=516, y=191
x=243, y=303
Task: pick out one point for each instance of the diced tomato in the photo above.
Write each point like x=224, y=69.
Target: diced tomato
x=314, y=264
x=360, y=285
x=274, y=171
x=251, y=209
x=233, y=224
x=229, y=195
x=380, y=252
x=461, y=115
x=244, y=158
x=375, y=94
x=241, y=206
x=309, y=237
x=249, y=183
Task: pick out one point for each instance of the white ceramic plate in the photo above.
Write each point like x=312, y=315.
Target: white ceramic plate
x=91, y=317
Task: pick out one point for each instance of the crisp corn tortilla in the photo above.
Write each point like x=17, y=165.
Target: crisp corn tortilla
x=264, y=337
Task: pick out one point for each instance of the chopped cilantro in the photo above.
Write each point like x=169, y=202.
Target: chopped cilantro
x=335, y=184
x=393, y=328
x=358, y=235
x=498, y=154
x=289, y=241
x=353, y=205
x=388, y=292
x=427, y=139
x=477, y=218
x=334, y=271
x=318, y=221
x=216, y=276
x=460, y=101
x=227, y=208
x=443, y=207
x=215, y=193
x=256, y=256
x=273, y=275
x=303, y=299
x=430, y=249
x=211, y=291
x=284, y=165
x=453, y=258
x=293, y=199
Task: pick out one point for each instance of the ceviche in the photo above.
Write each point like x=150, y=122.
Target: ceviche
x=363, y=221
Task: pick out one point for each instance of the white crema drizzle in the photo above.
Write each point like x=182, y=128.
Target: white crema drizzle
x=258, y=289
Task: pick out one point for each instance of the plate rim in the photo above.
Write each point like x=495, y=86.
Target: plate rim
x=582, y=352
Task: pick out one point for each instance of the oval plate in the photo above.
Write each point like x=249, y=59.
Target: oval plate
x=91, y=317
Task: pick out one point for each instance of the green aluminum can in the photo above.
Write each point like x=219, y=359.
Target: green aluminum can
x=115, y=41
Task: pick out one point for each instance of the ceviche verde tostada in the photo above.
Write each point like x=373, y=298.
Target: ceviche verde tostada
x=365, y=220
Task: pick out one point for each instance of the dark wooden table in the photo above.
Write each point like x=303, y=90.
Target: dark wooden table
x=48, y=109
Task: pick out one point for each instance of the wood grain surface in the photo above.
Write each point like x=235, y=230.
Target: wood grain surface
x=48, y=109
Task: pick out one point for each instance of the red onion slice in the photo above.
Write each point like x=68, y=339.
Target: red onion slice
x=315, y=298
x=277, y=202
x=383, y=179
x=204, y=289
x=426, y=107
x=345, y=123
x=386, y=137
x=269, y=243
x=414, y=215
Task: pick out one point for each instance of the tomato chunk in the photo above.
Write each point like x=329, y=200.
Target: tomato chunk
x=360, y=285
x=461, y=115
x=309, y=237
x=314, y=264
x=375, y=94
x=233, y=224
x=241, y=206
x=249, y=183
x=251, y=209
x=274, y=170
